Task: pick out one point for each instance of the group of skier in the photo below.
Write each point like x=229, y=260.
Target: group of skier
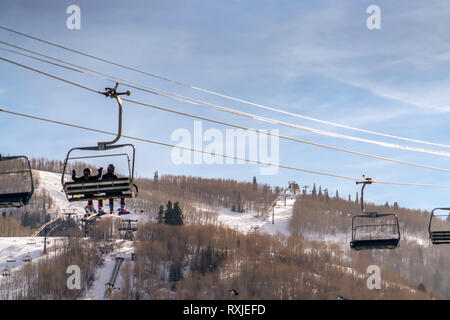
x=87, y=176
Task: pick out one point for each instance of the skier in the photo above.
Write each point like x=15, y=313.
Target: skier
x=109, y=176
x=87, y=176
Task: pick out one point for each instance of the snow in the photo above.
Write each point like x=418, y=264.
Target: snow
x=19, y=247
x=103, y=274
x=248, y=221
x=51, y=182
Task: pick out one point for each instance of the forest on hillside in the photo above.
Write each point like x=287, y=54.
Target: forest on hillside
x=210, y=262
x=415, y=258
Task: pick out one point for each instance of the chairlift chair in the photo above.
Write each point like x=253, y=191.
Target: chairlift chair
x=439, y=226
x=10, y=258
x=27, y=258
x=5, y=272
x=372, y=230
x=16, y=199
x=103, y=189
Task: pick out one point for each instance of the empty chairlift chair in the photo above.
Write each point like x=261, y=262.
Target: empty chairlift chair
x=372, y=230
x=16, y=182
x=439, y=226
x=122, y=187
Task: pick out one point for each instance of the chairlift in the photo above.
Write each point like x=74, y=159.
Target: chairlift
x=10, y=258
x=27, y=258
x=103, y=189
x=5, y=272
x=372, y=230
x=15, y=169
x=439, y=226
x=31, y=241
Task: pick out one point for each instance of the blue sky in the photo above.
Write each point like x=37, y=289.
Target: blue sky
x=315, y=58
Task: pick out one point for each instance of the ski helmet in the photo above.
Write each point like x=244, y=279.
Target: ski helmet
x=87, y=171
x=111, y=168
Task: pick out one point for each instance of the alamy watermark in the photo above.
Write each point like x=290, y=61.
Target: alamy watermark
x=374, y=281
x=236, y=144
x=374, y=20
x=74, y=280
x=74, y=19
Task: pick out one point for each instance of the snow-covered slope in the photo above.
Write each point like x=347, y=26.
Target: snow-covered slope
x=20, y=247
x=123, y=249
x=248, y=221
x=51, y=183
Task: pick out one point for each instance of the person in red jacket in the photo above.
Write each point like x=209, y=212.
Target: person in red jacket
x=108, y=176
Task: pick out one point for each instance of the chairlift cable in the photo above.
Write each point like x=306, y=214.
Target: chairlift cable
x=227, y=96
x=222, y=155
x=175, y=96
x=242, y=127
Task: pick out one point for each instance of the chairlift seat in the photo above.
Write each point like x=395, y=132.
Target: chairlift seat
x=15, y=200
x=440, y=237
x=374, y=244
x=99, y=189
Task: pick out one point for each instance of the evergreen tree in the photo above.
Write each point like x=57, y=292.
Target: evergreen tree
x=156, y=177
x=174, y=215
x=168, y=214
x=255, y=184
x=161, y=217
x=337, y=194
x=177, y=214
x=314, y=191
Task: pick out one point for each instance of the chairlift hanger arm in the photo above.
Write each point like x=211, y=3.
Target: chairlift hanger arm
x=112, y=93
x=364, y=183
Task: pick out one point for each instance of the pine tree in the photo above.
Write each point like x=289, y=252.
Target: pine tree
x=314, y=191
x=168, y=214
x=255, y=184
x=156, y=177
x=337, y=194
x=161, y=217
x=177, y=215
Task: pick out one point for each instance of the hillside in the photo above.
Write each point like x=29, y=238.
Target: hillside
x=305, y=254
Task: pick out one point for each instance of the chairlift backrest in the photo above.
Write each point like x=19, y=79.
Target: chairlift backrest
x=18, y=197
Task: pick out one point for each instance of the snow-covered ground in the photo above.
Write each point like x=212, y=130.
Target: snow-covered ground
x=123, y=249
x=248, y=221
x=20, y=247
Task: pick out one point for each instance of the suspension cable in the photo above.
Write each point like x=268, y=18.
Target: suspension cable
x=264, y=119
x=180, y=147
x=226, y=96
x=223, y=155
x=246, y=128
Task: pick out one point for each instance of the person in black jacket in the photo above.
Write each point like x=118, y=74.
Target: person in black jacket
x=108, y=176
x=87, y=176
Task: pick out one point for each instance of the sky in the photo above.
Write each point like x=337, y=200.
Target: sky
x=315, y=58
